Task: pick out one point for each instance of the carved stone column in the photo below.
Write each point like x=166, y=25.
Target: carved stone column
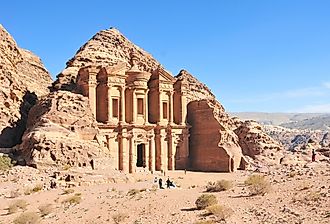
x=109, y=102
x=122, y=105
x=146, y=107
x=132, y=159
x=123, y=151
x=183, y=107
x=163, y=160
x=170, y=155
x=171, y=104
x=152, y=154
x=134, y=107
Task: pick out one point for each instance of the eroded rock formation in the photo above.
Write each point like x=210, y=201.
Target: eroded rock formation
x=106, y=48
x=257, y=144
x=23, y=78
x=61, y=131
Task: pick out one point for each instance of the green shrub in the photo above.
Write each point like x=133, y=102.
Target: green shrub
x=258, y=185
x=221, y=212
x=5, y=163
x=205, y=201
x=27, y=217
x=221, y=185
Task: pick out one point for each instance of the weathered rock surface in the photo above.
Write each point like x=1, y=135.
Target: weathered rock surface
x=60, y=131
x=257, y=144
x=301, y=141
x=208, y=135
x=23, y=78
x=106, y=48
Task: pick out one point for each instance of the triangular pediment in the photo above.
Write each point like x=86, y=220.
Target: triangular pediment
x=163, y=76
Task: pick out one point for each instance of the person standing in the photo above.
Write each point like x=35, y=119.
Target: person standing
x=313, y=155
x=160, y=182
x=168, y=182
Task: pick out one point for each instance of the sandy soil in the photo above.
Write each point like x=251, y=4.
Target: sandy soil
x=299, y=195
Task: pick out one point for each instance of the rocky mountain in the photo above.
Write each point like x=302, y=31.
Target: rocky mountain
x=314, y=121
x=321, y=122
x=106, y=48
x=23, y=79
x=300, y=132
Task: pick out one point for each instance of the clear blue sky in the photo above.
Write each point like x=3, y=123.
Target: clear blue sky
x=255, y=55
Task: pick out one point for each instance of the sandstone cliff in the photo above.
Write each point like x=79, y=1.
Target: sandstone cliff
x=61, y=131
x=107, y=47
x=257, y=144
x=23, y=78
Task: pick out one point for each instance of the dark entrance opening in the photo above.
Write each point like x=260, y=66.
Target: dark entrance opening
x=140, y=159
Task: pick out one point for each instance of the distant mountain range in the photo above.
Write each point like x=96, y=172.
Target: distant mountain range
x=314, y=121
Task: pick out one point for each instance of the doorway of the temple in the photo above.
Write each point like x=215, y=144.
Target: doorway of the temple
x=140, y=159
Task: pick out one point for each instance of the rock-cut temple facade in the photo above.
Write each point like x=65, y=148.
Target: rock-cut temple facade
x=143, y=117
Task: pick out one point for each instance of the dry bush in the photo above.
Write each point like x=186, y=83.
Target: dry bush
x=45, y=209
x=220, y=185
x=205, y=200
x=258, y=185
x=68, y=191
x=205, y=222
x=313, y=196
x=15, y=193
x=133, y=192
x=5, y=163
x=26, y=218
x=37, y=188
x=304, y=186
x=66, y=167
x=120, y=217
x=292, y=174
x=221, y=212
x=19, y=204
x=73, y=200
x=28, y=191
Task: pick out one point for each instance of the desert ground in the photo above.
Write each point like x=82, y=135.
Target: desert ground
x=298, y=194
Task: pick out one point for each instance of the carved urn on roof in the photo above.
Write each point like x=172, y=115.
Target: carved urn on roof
x=136, y=77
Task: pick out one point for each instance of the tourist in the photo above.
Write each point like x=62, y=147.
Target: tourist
x=313, y=155
x=168, y=182
x=160, y=182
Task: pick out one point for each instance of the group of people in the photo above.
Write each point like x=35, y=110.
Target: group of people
x=169, y=183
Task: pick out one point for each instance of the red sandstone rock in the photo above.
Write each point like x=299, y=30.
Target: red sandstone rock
x=61, y=131
x=23, y=77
